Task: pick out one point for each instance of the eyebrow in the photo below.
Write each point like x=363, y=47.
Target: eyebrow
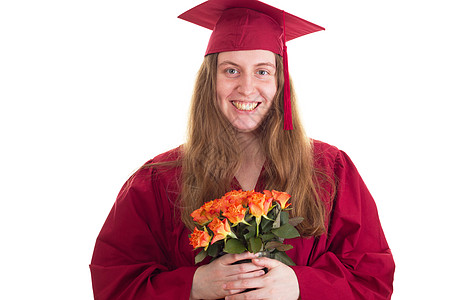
x=228, y=62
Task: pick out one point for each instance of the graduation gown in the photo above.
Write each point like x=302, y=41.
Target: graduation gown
x=143, y=251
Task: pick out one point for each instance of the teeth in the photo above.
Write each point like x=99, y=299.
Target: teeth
x=247, y=106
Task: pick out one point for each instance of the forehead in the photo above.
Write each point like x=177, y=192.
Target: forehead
x=247, y=57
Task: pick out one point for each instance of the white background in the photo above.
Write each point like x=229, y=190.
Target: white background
x=90, y=90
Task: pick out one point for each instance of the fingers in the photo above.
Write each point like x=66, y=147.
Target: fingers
x=242, y=268
x=222, y=277
x=232, y=258
x=280, y=282
x=256, y=294
x=266, y=262
x=247, y=275
x=248, y=283
x=233, y=292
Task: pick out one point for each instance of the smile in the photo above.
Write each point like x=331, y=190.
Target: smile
x=245, y=106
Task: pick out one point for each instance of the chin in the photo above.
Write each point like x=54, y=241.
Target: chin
x=245, y=128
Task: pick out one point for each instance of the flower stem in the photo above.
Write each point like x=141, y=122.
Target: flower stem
x=258, y=221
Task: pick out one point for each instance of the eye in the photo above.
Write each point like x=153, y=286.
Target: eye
x=262, y=72
x=231, y=71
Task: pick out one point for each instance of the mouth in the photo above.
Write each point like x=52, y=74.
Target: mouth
x=245, y=106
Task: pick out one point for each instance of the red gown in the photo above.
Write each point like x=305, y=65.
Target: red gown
x=143, y=252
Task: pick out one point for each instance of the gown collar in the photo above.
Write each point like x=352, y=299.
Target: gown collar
x=260, y=183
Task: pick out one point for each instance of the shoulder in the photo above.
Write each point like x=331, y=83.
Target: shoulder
x=168, y=156
x=322, y=148
x=159, y=172
x=332, y=161
x=153, y=189
x=167, y=161
x=325, y=155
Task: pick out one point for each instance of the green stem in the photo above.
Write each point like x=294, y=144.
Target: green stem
x=258, y=221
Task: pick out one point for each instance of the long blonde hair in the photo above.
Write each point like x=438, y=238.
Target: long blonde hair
x=211, y=154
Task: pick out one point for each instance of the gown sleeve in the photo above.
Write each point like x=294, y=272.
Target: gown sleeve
x=357, y=263
x=134, y=256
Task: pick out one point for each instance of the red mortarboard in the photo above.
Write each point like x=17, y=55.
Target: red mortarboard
x=251, y=25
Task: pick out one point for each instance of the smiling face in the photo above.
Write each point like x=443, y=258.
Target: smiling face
x=246, y=86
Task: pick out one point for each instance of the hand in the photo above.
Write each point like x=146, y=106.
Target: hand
x=279, y=283
x=209, y=280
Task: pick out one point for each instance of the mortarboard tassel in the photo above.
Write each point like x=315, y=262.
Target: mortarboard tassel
x=287, y=87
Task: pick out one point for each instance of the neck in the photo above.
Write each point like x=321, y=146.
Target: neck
x=252, y=160
x=251, y=152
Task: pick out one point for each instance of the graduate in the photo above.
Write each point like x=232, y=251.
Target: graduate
x=244, y=133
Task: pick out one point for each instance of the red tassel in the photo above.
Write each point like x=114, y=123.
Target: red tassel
x=287, y=94
x=287, y=86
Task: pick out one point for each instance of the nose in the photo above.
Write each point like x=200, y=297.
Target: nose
x=246, y=84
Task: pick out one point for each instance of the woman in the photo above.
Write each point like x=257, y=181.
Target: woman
x=237, y=140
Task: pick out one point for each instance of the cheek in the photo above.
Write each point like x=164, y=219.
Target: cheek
x=221, y=89
x=221, y=97
x=270, y=93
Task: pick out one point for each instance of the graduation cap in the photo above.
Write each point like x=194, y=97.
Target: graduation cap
x=251, y=25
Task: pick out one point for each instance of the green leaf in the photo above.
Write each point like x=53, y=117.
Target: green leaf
x=267, y=237
x=284, y=217
x=251, y=232
x=255, y=244
x=249, y=218
x=273, y=213
x=266, y=225
x=295, y=221
x=240, y=229
x=200, y=256
x=284, y=247
x=213, y=250
x=234, y=246
x=287, y=231
x=284, y=258
x=273, y=244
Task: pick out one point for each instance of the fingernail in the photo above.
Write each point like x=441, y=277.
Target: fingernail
x=259, y=254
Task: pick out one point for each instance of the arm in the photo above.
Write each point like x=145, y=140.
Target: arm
x=354, y=260
x=358, y=263
x=132, y=257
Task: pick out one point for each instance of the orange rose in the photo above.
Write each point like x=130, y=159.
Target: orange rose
x=282, y=198
x=268, y=194
x=235, y=213
x=212, y=208
x=199, y=216
x=206, y=213
x=234, y=197
x=259, y=204
x=221, y=229
x=199, y=238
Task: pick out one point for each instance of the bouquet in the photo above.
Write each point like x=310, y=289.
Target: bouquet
x=245, y=221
